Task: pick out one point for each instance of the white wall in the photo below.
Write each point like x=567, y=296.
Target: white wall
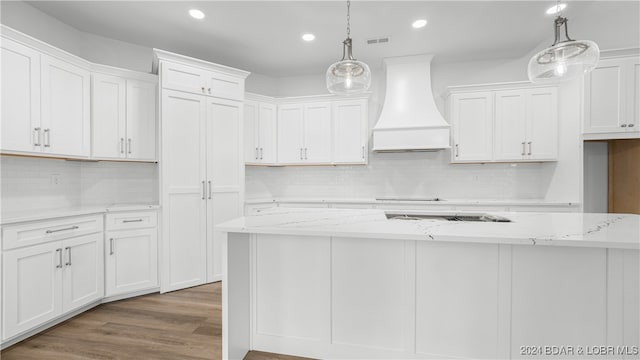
x=27, y=183
x=596, y=178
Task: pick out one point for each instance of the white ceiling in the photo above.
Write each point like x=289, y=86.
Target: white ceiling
x=264, y=36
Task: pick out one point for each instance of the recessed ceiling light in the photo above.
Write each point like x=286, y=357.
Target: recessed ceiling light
x=556, y=9
x=308, y=37
x=196, y=14
x=419, y=24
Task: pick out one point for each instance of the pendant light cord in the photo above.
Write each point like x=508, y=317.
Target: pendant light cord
x=348, y=18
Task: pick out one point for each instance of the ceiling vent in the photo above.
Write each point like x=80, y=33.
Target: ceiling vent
x=379, y=40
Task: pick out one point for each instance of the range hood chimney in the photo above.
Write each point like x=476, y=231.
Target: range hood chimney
x=410, y=120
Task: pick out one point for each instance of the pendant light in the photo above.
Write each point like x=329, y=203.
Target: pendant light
x=348, y=76
x=565, y=59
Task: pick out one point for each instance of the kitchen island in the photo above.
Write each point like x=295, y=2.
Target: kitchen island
x=339, y=283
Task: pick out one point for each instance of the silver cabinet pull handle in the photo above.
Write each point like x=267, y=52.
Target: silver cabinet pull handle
x=129, y=145
x=523, y=149
x=203, y=189
x=363, y=152
x=47, y=137
x=261, y=153
x=68, y=249
x=631, y=125
x=202, y=89
x=529, y=153
x=256, y=153
x=457, y=150
x=305, y=154
x=37, y=141
x=111, y=246
x=121, y=145
x=59, y=251
x=209, y=90
x=130, y=221
x=300, y=153
x=623, y=125
x=209, y=189
x=65, y=229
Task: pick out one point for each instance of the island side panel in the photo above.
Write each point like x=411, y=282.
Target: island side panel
x=631, y=291
x=559, y=298
x=236, y=317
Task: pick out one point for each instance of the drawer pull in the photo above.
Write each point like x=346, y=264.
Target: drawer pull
x=130, y=221
x=68, y=263
x=59, y=251
x=65, y=229
x=111, y=246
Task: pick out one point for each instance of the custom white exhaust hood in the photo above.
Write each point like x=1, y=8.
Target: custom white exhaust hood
x=410, y=120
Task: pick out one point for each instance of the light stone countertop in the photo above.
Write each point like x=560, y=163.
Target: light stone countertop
x=444, y=202
x=620, y=231
x=35, y=215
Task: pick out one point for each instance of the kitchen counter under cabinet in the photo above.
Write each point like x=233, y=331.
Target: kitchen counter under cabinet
x=338, y=283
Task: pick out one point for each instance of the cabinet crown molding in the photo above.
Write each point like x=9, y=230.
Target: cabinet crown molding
x=514, y=85
x=162, y=55
x=129, y=74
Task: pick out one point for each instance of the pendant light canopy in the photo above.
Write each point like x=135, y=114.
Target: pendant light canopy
x=565, y=59
x=348, y=76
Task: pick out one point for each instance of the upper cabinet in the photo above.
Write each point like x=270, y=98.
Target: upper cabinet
x=612, y=99
x=199, y=81
x=47, y=110
x=507, y=123
x=322, y=130
x=123, y=117
x=52, y=102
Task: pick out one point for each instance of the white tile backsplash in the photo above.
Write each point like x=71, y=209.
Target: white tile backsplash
x=418, y=175
x=27, y=183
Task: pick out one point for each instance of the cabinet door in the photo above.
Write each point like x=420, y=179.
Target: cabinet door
x=141, y=120
x=634, y=95
x=225, y=175
x=65, y=108
x=317, y=133
x=183, y=178
x=472, y=118
x=290, y=134
x=510, y=127
x=350, y=131
x=251, y=130
x=267, y=133
x=108, y=116
x=224, y=86
x=131, y=260
x=31, y=287
x=182, y=78
x=83, y=280
x=20, y=79
x=604, y=98
x=542, y=124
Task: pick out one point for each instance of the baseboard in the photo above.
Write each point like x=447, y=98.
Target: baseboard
x=130, y=295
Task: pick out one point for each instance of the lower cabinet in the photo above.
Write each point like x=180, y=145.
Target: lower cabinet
x=131, y=252
x=44, y=281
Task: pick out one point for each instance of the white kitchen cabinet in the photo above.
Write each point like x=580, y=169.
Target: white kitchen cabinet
x=612, y=99
x=198, y=80
x=65, y=95
x=21, y=129
x=526, y=124
x=202, y=172
x=260, y=132
x=513, y=122
x=123, y=118
x=350, y=131
x=472, y=120
x=304, y=133
x=131, y=252
x=57, y=275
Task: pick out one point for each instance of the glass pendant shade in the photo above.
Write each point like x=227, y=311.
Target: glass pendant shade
x=348, y=76
x=563, y=60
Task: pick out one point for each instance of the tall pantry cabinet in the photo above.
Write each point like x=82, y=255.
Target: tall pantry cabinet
x=201, y=165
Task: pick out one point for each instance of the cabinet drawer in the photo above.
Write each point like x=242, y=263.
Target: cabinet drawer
x=36, y=232
x=131, y=220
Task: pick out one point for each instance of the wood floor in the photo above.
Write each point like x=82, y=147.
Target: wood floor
x=185, y=324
